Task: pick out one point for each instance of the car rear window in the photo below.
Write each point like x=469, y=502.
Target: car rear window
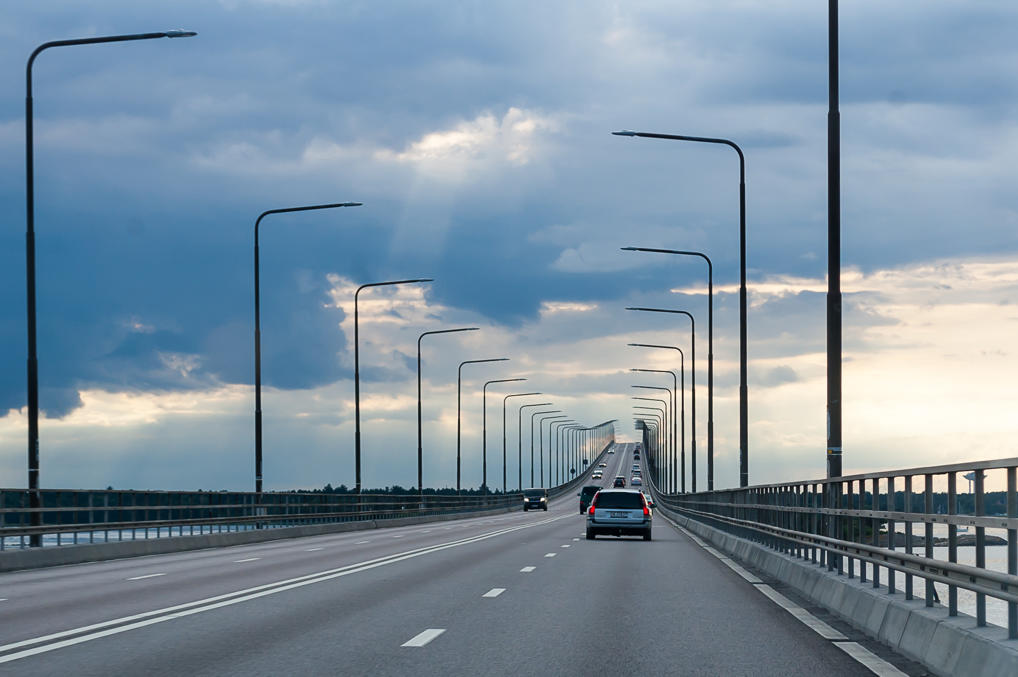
x=619, y=499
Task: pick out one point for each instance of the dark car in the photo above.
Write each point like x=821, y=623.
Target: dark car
x=586, y=494
x=620, y=481
x=536, y=499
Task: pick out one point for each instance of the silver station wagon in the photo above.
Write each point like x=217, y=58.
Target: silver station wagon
x=619, y=512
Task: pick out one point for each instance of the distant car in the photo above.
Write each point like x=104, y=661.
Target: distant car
x=602, y=465
x=620, y=481
x=637, y=473
x=636, y=466
x=619, y=512
x=636, y=456
x=636, y=481
x=535, y=499
x=649, y=499
x=586, y=495
x=596, y=475
x=611, y=451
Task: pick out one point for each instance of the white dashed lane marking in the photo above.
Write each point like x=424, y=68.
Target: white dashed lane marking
x=249, y=559
x=565, y=545
x=312, y=549
x=361, y=542
x=524, y=570
x=138, y=578
x=494, y=592
x=424, y=637
x=550, y=554
x=576, y=539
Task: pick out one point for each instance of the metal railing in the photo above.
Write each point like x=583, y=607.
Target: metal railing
x=850, y=524
x=76, y=516
x=70, y=516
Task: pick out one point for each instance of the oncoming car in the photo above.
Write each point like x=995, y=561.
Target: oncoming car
x=536, y=499
x=619, y=512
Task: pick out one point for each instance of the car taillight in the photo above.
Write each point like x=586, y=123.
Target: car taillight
x=646, y=511
x=591, y=511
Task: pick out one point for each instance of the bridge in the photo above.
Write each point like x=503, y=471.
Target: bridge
x=734, y=582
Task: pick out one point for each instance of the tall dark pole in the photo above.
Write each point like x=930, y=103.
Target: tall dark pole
x=540, y=423
x=504, y=401
x=420, y=443
x=743, y=470
x=833, y=251
x=554, y=461
x=743, y=356
x=675, y=400
x=33, y=358
x=682, y=400
x=669, y=417
x=357, y=370
x=692, y=340
x=519, y=437
x=258, y=328
x=484, y=432
x=459, y=387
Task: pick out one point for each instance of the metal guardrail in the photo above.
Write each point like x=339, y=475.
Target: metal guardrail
x=74, y=516
x=850, y=525
x=70, y=516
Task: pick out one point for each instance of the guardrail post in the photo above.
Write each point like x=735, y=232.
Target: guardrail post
x=875, y=528
x=908, y=533
x=890, y=533
x=980, y=546
x=1012, y=550
x=952, y=540
x=952, y=534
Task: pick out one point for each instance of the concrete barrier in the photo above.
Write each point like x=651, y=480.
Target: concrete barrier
x=34, y=558
x=944, y=645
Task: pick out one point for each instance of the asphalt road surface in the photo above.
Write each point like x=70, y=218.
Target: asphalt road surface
x=522, y=593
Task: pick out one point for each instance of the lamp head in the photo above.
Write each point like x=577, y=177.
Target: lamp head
x=177, y=33
x=624, y=132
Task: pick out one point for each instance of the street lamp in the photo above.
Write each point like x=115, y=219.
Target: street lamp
x=663, y=411
x=484, y=433
x=420, y=446
x=643, y=424
x=662, y=427
x=459, y=386
x=743, y=369
x=519, y=439
x=743, y=460
x=554, y=454
x=357, y=369
x=682, y=400
x=33, y=359
x=504, y=401
x=564, y=452
x=536, y=413
x=671, y=415
x=258, y=329
x=674, y=403
x=692, y=341
x=540, y=440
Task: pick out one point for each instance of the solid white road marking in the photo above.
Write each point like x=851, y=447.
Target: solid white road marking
x=524, y=570
x=138, y=578
x=312, y=549
x=249, y=559
x=494, y=592
x=424, y=637
x=210, y=603
x=739, y=570
x=550, y=554
x=876, y=664
x=361, y=542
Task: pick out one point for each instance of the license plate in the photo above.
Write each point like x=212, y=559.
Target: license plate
x=618, y=514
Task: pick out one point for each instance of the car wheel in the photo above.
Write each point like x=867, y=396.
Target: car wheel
x=646, y=536
x=546, y=508
x=590, y=535
x=525, y=508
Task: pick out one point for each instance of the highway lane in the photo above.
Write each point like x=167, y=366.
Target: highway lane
x=520, y=592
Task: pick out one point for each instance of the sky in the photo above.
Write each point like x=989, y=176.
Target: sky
x=477, y=135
